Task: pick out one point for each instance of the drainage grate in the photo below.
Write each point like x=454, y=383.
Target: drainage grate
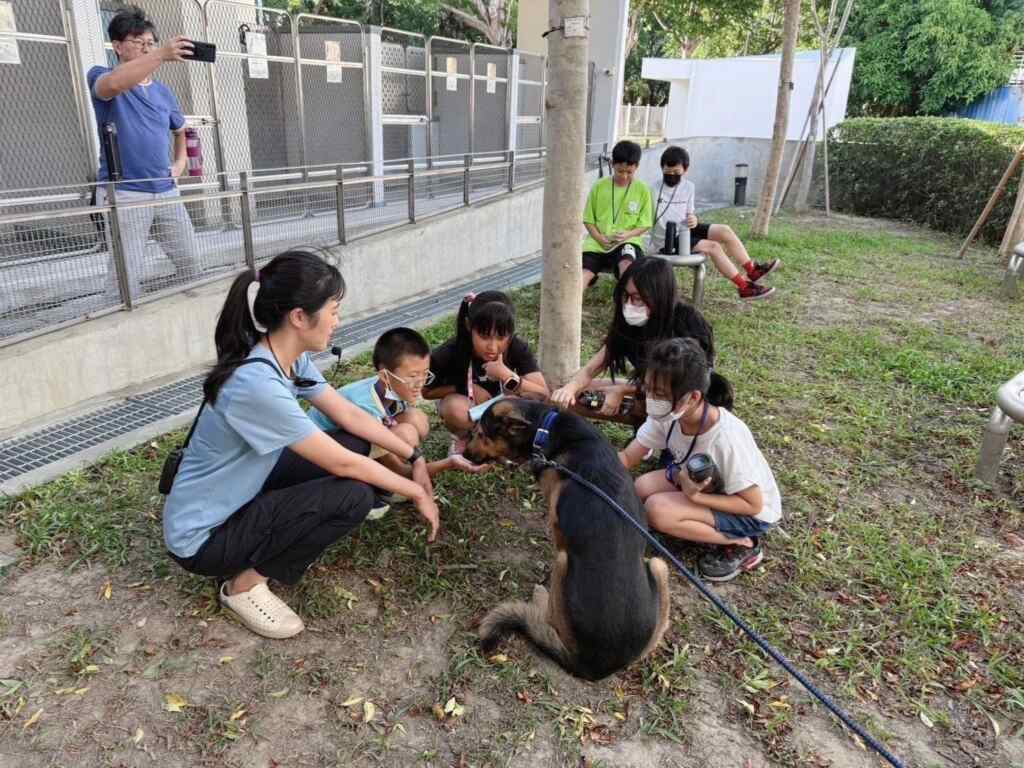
x=21, y=455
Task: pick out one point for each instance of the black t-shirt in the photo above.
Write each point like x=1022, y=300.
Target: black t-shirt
x=450, y=371
x=687, y=322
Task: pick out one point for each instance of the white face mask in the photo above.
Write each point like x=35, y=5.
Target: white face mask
x=635, y=316
x=661, y=410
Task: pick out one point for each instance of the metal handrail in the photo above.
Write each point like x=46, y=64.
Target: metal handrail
x=1010, y=398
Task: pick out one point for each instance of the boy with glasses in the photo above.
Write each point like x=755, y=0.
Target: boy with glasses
x=146, y=114
x=401, y=357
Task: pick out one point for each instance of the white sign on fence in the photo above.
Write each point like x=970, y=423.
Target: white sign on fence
x=9, y=53
x=492, y=77
x=451, y=83
x=256, y=45
x=332, y=52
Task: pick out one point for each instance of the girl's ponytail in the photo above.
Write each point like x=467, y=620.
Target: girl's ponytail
x=258, y=303
x=720, y=391
x=235, y=335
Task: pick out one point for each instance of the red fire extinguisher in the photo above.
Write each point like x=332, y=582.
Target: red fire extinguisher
x=194, y=151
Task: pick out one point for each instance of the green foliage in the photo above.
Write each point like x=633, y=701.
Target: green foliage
x=931, y=170
x=927, y=57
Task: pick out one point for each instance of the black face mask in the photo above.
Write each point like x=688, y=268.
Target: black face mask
x=671, y=179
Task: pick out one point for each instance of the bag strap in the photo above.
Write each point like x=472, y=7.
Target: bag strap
x=202, y=405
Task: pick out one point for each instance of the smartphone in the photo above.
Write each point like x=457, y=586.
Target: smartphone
x=203, y=51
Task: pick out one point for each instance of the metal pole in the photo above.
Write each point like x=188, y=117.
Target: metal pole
x=511, y=170
x=467, y=162
x=218, y=141
x=600, y=162
x=996, y=433
x=472, y=99
x=430, y=105
x=246, y=209
x=117, y=247
x=512, y=101
x=339, y=202
x=301, y=104
x=84, y=108
x=412, y=190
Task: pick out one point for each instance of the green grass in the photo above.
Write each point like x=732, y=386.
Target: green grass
x=867, y=382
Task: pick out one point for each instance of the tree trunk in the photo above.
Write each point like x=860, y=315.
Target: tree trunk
x=771, y=180
x=562, y=284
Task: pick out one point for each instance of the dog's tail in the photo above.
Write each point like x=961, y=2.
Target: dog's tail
x=528, y=619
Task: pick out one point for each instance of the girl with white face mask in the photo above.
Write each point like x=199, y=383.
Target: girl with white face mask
x=682, y=420
x=647, y=310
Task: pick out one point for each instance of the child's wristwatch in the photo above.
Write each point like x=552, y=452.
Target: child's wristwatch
x=415, y=456
x=512, y=383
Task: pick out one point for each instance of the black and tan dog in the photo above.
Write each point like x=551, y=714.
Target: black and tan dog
x=606, y=606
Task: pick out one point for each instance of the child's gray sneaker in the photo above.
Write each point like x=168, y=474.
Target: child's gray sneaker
x=728, y=562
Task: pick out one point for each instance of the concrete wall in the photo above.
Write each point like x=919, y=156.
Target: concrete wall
x=607, y=52
x=713, y=166
x=53, y=374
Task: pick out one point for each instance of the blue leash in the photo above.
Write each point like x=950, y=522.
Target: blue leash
x=752, y=633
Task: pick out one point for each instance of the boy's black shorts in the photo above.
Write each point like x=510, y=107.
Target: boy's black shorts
x=597, y=262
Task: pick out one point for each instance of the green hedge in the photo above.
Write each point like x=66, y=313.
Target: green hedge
x=938, y=171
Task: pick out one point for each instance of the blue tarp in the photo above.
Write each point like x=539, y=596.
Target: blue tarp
x=1003, y=105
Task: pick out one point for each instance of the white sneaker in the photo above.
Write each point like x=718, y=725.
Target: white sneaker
x=263, y=612
x=379, y=509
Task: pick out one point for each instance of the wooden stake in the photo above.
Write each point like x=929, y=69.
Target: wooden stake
x=997, y=193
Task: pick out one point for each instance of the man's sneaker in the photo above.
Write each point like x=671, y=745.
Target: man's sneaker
x=727, y=563
x=379, y=509
x=762, y=268
x=752, y=291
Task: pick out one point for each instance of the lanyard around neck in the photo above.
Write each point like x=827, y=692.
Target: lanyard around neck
x=625, y=196
x=659, y=212
x=693, y=442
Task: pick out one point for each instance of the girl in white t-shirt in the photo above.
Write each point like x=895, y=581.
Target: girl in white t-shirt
x=746, y=503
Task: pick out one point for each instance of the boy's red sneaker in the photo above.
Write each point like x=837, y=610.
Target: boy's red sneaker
x=761, y=269
x=752, y=291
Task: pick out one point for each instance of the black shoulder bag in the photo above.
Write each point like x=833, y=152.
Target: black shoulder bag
x=173, y=460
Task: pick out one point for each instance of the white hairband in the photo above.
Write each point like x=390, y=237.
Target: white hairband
x=250, y=295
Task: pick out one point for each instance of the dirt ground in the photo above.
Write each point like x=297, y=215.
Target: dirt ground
x=109, y=656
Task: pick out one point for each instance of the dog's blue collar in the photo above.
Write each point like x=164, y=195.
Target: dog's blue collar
x=540, y=440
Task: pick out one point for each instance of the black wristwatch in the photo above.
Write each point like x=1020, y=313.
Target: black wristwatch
x=512, y=383
x=415, y=456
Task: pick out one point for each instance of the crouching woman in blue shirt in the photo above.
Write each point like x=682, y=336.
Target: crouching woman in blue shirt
x=261, y=491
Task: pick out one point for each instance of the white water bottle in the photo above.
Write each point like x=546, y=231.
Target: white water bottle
x=684, y=229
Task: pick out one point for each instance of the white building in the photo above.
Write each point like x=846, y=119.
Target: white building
x=722, y=111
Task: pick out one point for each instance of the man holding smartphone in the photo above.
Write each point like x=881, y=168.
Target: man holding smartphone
x=146, y=114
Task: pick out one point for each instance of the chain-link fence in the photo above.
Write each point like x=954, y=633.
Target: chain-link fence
x=310, y=130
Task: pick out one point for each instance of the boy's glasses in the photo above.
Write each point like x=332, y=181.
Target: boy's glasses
x=423, y=380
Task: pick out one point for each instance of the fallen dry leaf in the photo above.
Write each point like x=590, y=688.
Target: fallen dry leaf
x=175, y=703
x=237, y=714
x=139, y=735
x=225, y=659
x=438, y=711
x=499, y=658
x=369, y=711
x=32, y=720
x=279, y=694
x=107, y=591
x=352, y=701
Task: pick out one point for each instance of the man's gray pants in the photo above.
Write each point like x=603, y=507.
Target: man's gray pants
x=171, y=228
